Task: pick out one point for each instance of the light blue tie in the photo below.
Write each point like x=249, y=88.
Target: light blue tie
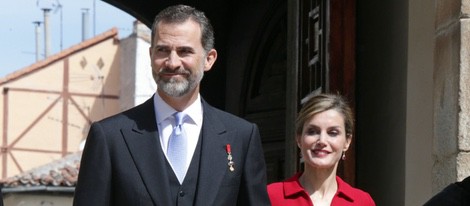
x=177, y=147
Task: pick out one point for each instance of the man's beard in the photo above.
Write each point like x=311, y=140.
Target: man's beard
x=176, y=87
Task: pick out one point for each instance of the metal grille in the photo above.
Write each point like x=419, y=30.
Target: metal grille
x=313, y=48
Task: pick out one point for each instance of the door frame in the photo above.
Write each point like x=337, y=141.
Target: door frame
x=340, y=75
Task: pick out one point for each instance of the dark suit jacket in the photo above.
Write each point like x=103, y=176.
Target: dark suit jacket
x=121, y=164
x=1, y=196
x=455, y=194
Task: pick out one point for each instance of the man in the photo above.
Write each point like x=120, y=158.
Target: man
x=129, y=158
x=455, y=194
x=1, y=196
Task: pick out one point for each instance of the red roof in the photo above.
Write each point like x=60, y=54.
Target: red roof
x=62, y=172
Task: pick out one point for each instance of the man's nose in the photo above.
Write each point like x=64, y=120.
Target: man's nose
x=173, y=61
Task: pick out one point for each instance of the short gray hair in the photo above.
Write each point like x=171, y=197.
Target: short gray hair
x=181, y=13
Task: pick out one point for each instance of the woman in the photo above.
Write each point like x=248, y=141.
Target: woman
x=324, y=129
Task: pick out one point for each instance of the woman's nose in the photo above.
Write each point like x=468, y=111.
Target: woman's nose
x=322, y=137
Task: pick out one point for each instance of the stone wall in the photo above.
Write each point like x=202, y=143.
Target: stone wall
x=451, y=145
x=463, y=157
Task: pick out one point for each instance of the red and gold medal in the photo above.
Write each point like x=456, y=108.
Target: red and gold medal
x=230, y=163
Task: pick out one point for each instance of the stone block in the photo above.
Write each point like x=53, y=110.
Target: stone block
x=463, y=165
x=443, y=172
x=464, y=100
x=466, y=8
x=447, y=12
x=446, y=92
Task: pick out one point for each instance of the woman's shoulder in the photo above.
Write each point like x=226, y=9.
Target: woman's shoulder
x=278, y=187
x=275, y=188
x=291, y=181
x=286, y=187
x=288, y=192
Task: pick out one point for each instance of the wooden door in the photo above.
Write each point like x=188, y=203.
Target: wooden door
x=322, y=60
x=302, y=48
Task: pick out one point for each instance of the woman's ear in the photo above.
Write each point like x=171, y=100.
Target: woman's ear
x=348, y=142
x=297, y=140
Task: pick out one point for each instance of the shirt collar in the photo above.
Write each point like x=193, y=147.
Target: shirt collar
x=163, y=110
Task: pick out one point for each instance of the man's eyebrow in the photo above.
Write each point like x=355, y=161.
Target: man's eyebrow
x=161, y=46
x=185, y=48
x=178, y=48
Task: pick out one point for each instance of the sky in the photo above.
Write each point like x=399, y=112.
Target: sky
x=17, y=30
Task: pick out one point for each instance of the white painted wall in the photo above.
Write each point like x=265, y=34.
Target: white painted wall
x=137, y=83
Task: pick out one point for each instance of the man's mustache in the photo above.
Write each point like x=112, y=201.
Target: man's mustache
x=181, y=71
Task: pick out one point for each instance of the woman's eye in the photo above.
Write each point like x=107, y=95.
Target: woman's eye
x=312, y=132
x=333, y=133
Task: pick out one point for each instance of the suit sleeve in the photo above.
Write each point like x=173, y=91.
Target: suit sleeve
x=1, y=196
x=253, y=185
x=94, y=178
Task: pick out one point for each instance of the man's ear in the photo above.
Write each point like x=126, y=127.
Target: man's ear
x=210, y=59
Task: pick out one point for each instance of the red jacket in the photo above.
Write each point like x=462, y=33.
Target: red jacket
x=290, y=192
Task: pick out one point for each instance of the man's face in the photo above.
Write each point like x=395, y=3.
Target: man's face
x=178, y=59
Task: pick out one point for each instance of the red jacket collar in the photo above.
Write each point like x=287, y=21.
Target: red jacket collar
x=292, y=187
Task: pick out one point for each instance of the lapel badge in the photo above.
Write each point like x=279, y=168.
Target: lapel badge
x=229, y=158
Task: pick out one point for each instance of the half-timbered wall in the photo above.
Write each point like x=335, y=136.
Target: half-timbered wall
x=47, y=108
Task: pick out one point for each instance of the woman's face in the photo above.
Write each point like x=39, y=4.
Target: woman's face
x=323, y=140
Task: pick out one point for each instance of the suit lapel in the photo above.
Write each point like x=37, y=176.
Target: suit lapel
x=142, y=142
x=212, y=169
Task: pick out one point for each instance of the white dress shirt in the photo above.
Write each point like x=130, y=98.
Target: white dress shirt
x=192, y=124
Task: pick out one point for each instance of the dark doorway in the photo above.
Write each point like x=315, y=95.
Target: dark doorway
x=272, y=54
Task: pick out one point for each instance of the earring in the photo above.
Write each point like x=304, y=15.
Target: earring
x=301, y=157
x=343, y=157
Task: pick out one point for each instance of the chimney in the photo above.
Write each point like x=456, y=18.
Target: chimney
x=37, y=24
x=141, y=30
x=85, y=24
x=47, y=42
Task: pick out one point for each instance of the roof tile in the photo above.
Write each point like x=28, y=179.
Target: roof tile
x=62, y=172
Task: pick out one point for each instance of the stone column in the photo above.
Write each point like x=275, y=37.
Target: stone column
x=451, y=141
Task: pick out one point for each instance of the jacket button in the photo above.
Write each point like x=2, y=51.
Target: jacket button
x=182, y=193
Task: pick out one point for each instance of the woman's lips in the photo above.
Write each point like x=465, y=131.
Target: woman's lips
x=320, y=152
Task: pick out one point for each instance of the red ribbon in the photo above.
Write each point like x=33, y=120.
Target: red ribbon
x=229, y=150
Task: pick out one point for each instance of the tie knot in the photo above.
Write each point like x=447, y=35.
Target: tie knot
x=179, y=118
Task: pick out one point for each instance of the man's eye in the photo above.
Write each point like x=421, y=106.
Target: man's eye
x=183, y=52
x=162, y=50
